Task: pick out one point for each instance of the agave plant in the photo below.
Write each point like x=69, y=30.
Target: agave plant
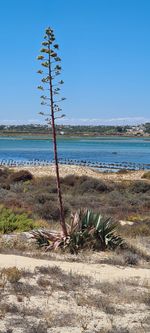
x=90, y=230
x=86, y=230
x=49, y=239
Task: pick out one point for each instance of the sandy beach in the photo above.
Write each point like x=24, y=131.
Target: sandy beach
x=41, y=171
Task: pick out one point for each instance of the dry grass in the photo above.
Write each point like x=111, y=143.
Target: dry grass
x=49, y=298
x=12, y=274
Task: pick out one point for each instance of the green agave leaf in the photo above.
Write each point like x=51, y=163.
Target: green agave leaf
x=98, y=222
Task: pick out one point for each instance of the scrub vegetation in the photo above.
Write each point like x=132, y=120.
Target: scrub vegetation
x=21, y=193
x=71, y=302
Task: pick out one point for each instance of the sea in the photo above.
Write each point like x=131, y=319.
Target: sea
x=100, y=152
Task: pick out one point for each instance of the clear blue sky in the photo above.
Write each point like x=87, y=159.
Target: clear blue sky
x=105, y=48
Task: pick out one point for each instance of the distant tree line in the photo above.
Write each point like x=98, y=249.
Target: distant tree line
x=147, y=127
x=68, y=130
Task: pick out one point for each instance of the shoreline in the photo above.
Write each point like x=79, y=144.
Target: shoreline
x=65, y=137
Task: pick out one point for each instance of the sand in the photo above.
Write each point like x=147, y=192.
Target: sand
x=62, y=306
x=99, y=272
x=40, y=171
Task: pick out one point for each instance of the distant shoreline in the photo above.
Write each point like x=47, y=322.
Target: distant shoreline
x=74, y=131
x=49, y=137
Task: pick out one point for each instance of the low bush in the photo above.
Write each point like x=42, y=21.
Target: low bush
x=13, y=274
x=5, y=186
x=42, y=198
x=4, y=172
x=43, y=282
x=139, y=187
x=131, y=259
x=22, y=175
x=49, y=209
x=116, y=199
x=90, y=185
x=146, y=175
x=10, y=222
x=70, y=180
x=44, y=182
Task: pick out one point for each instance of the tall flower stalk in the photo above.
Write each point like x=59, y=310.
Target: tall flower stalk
x=50, y=87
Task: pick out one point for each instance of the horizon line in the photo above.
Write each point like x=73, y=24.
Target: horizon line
x=122, y=121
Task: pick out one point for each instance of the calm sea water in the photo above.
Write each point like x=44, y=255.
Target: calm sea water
x=101, y=149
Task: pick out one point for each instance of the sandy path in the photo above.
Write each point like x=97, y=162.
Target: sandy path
x=100, y=272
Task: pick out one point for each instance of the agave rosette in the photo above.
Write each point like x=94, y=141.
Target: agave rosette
x=86, y=230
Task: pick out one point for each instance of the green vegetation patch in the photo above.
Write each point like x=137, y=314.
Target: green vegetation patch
x=10, y=222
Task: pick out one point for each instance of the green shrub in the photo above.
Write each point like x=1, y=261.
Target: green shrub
x=10, y=222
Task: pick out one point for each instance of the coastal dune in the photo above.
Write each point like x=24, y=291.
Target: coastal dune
x=41, y=171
